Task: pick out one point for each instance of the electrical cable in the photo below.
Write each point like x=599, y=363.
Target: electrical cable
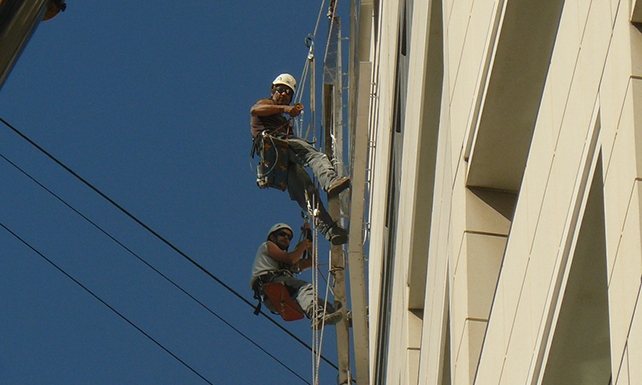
x=104, y=303
x=150, y=266
x=157, y=235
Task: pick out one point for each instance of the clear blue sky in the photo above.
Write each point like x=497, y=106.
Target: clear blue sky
x=149, y=102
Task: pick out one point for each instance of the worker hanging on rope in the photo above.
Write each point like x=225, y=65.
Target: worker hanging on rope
x=273, y=265
x=269, y=128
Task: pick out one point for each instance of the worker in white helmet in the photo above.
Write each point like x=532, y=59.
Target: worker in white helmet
x=268, y=115
x=273, y=263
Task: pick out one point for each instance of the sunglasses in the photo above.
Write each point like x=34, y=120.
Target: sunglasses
x=284, y=90
x=284, y=234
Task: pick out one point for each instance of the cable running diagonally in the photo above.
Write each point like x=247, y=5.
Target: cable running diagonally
x=157, y=235
x=150, y=266
x=52, y=263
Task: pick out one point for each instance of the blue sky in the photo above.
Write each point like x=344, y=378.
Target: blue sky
x=149, y=104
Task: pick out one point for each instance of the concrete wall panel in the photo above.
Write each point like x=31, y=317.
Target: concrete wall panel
x=633, y=354
x=624, y=282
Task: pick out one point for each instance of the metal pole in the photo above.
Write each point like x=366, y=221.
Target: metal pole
x=18, y=21
x=337, y=260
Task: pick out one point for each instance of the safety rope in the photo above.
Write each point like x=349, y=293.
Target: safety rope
x=310, y=66
x=320, y=310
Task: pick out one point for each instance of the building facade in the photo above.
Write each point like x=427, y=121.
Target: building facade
x=504, y=160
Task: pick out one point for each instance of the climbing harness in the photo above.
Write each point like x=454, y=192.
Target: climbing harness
x=272, y=169
x=275, y=296
x=280, y=299
x=272, y=146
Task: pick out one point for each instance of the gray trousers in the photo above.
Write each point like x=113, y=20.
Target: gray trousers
x=303, y=293
x=300, y=155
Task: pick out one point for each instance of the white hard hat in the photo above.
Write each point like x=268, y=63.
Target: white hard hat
x=278, y=227
x=286, y=80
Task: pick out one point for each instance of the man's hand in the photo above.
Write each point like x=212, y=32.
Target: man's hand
x=306, y=229
x=305, y=244
x=294, y=110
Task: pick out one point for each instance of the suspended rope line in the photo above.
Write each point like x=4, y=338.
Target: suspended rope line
x=320, y=311
x=159, y=237
x=319, y=348
x=309, y=63
x=105, y=303
x=331, y=14
x=141, y=259
x=313, y=210
x=311, y=37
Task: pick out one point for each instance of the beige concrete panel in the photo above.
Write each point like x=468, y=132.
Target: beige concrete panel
x=481, y=217
x=398, y=335
x=466, y=363
x=459, y=293
x=462, y=102
x=582, y=11
x=485, y=254
x=548, y=233
x=412, y=369
x=511, y=285
x=460, y=373
x=635, y=49
x=457, y=27
x=571, y=143
x=415, y=323
x=633, y=353
x=495, y=343
x=502, y=318
x=636, y=87
x=520, y=345
x=623, y=377
x=380, y=166
x=437, y=290
x=476, y=331
x=482, y=14
x=563, y=61
x=458, y=220
x=542, y=145
x=615, y=83
x=620, y=171
x=475, y=49
x=563, y=181
x=472, y=74
x=595, y=45
x=538, y=167
x=520, y=237
x=624, y=281
x=435, y=316
x=539, y=279
x=447, y=10
x=615, y=9
x=578, y=113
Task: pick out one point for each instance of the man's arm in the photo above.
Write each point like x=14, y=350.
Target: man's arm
x=304, y=264
x=290, y=258
x=265, y=107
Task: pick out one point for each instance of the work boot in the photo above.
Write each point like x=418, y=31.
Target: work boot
x=339, y=184
x=329, y=319
x=336, y=234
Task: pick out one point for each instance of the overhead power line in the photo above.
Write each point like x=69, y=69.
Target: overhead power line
x=157, y=235
x=105, y=303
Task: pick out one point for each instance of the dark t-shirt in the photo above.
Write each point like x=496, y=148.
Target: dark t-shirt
x=270, y=123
